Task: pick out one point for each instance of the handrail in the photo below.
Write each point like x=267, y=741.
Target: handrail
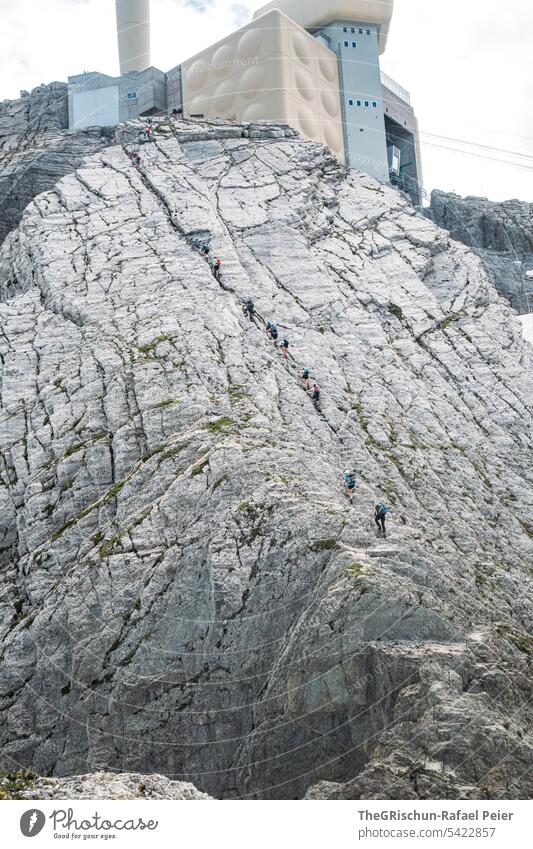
x=395, y=87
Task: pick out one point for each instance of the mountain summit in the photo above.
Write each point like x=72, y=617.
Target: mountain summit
x=187, y=590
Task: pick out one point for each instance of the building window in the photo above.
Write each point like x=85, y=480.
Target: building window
x=353, y=29
x=368, y=32
x=359, y=103
x=374, y=104
x=350, y=103
x=345, y=29
x=367, y=103
x=361, y=130
x=132, y=95
x=360, y=32
x=346, y=44
x=354, y=43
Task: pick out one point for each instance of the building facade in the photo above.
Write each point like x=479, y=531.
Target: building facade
x=97, y=100
x=314, y=64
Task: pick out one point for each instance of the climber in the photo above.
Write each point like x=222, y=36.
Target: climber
x=380, y=512
x=316, y=397
x=285, y=348
x=249, y=309
x=272, y=332
x=304, y=377
x=205, y=250
x=349, y=483
x=216, y=268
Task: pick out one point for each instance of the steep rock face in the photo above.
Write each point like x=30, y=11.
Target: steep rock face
x=501, y=234
x=186, y=589
x=36, y=148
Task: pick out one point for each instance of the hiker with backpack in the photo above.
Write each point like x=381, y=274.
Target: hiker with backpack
x=249, y=309
x=272, y=332
x=304, y=377
x=316, y=397
x=285, y=348
x=380, y=513
x=216, y=268
x=349, y=483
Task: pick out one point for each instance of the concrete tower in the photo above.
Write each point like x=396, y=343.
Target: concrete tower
x=133, y=29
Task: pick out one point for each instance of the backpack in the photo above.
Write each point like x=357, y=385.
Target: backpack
x=382, y=509
x=305, y=374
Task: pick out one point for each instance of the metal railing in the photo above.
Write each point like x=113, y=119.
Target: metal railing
x=396, y=89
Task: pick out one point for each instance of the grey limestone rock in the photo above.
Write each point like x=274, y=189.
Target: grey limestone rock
x=186, y=589
x=36, y=148
x=502, y=236
x=107, y=785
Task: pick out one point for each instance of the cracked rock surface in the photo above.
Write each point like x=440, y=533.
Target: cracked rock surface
x=186, y=589
x=500, y=233
x=36, y=148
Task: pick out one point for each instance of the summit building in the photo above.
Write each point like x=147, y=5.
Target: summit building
x=314, y=64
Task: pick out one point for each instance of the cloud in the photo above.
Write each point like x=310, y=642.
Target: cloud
x=199, y=5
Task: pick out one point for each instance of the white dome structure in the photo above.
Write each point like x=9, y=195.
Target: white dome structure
x=313, y=14
x=133, y=30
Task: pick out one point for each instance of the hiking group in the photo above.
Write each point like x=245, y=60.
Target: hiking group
x=271, y=330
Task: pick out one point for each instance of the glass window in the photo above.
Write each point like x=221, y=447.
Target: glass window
x=360, y=32
x=354, y=43
x=350, y=103
x=368, y=32
x=345, y=29
x=374, y=104
x=359, y=103
x=367, y=103
x=132, y=95
x=346, y=44
x=353, y=29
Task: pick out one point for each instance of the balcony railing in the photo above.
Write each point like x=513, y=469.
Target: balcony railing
x=396, y=89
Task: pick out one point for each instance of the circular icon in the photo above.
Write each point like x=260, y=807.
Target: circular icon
x=32, y=822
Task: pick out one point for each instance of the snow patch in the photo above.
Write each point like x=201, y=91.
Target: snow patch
x=527, y=323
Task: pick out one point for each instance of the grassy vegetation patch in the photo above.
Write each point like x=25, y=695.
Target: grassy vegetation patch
x=237, y=391
x=395, y=310
x=151, y=346
x=246, y=507
x=12, y=784
x=481, y=578
x=164, y=404
x=355, y=569
x=324, y=545
x=219, y=424
x=520, y=639
x=199, y=469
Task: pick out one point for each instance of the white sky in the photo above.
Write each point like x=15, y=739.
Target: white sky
x=467, y=64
